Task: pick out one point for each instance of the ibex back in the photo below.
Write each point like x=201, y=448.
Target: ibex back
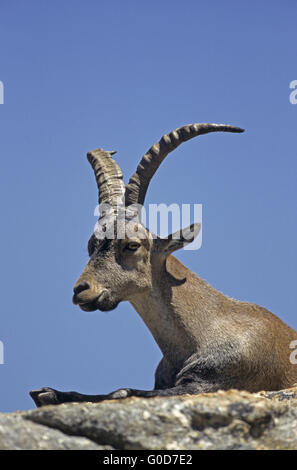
x=208, y=340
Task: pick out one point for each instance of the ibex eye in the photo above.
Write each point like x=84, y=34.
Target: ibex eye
x=132, y=246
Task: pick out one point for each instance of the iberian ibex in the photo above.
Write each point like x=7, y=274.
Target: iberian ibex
x=208, y=340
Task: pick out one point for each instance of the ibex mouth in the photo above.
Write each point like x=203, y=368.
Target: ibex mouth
x=101, y=302
x=89, y=307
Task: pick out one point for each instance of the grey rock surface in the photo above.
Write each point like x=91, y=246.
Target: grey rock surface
x=17, y=433
x=223, y=420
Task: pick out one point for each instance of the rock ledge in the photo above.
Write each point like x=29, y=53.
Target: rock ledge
x=223, y=420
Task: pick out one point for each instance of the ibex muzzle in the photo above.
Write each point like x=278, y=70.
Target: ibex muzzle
x=208, y=340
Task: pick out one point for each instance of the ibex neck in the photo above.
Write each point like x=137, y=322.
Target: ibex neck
x=173, y=310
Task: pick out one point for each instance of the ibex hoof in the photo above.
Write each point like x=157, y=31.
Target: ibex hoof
x=45, y=396
x=121, y=393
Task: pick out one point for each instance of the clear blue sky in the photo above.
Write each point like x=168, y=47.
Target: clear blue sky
x=85, y=74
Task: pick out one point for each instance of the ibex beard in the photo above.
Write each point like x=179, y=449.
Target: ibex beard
x=208, y=340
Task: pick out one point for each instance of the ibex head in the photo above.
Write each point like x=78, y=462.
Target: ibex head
x=130, y=261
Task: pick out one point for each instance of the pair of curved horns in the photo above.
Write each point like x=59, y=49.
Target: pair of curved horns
x=109, y=176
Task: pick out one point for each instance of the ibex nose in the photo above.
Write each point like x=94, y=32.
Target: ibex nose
x=80, y=287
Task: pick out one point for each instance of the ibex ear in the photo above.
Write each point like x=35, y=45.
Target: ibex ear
x=179, y=239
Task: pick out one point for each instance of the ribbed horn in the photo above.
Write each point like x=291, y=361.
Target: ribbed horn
x=109, y=177
x=137, y=187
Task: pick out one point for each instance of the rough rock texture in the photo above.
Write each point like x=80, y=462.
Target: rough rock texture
x=17, y=433
x=222, y=420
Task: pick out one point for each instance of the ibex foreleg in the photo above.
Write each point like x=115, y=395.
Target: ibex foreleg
x=49, y=396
